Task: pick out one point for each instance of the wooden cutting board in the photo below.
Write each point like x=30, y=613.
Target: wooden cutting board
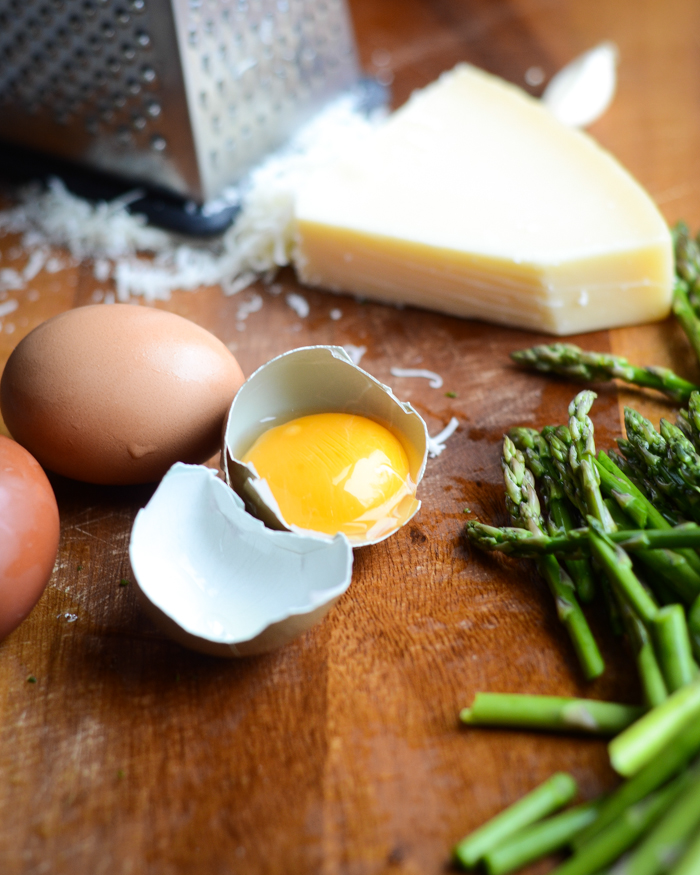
x=342, y=752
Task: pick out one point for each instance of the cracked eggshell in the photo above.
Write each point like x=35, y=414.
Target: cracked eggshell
x=314, y=379
x=218, y=580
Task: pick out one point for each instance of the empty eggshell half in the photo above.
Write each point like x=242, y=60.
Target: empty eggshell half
x=316, y=379
x=217, y=580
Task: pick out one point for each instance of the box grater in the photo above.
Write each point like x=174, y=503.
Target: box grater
x=182, y=95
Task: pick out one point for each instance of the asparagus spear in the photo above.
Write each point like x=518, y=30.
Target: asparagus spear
x=524, y=508
x=544, y=800
x=671, y=575
x=542, y=839
x=689, y=863
x=685, y=303
x=582, y=459
x=645, y=739
x=522, y=543
x=694, y=626
x=685, y=314
x=682, y=747
x=689, y=419
x=672, y=643
x=635, y=472
x=560, y=513
x=650, y=675
x=612, y=841
x=655, y=519
x=650, y=449
x=554, y=713
x=618, y=569
x=666, y=840
x=571, y=361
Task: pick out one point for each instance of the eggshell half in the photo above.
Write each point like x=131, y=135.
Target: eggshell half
x=118, y=393
x=314, y=379
x=217, y=580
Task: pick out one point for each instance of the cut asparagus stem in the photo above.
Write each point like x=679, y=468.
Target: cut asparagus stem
x=689, y=863
x=650, y=675
x=618, y=568
x=642, y=741
x=694, y=627
x=553, y=713
x=682, y=747
x=572, y=361
x=672, y=644
x=549, y=797
x=622, y=833
x=524, y=508
x=663, y=844
x=542, y=839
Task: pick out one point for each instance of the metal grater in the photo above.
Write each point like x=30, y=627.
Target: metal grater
x=182, y=95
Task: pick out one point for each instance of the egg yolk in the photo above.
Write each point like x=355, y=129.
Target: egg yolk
x=335, y=472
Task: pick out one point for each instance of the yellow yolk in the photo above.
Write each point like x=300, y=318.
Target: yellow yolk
x=335, y=472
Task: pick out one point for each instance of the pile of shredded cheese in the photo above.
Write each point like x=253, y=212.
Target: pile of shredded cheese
x=149, y=262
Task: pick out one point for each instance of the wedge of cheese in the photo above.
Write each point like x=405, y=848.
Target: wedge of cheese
x=473, y=200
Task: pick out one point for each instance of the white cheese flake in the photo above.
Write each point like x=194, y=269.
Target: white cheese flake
x=8, y=307
x=299, y=304
x=435, y=379
x=437, y=444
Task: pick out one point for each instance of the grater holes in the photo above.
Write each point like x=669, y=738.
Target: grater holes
x=158, y=143
x=153, y=108
x=138, y=122
x=137, y=6
x=143, y=39
x=108, y=31
x=123, y=17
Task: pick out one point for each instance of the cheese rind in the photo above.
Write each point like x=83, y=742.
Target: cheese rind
x=473, y=200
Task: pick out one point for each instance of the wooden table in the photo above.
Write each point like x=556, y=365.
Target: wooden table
x=342, y=752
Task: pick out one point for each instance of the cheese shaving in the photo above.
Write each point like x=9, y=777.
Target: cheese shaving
x=435, y=379
x=437, y=444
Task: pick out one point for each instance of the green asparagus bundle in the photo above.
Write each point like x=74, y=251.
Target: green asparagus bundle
x=634, y=513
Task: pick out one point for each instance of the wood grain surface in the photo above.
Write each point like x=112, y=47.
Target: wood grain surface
x=342, y=752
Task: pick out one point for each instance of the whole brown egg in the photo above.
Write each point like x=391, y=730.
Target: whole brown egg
x=116, y=394
x=29, y=532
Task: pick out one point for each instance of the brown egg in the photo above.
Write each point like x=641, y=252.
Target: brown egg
x=118, y=393
x=29, y=533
